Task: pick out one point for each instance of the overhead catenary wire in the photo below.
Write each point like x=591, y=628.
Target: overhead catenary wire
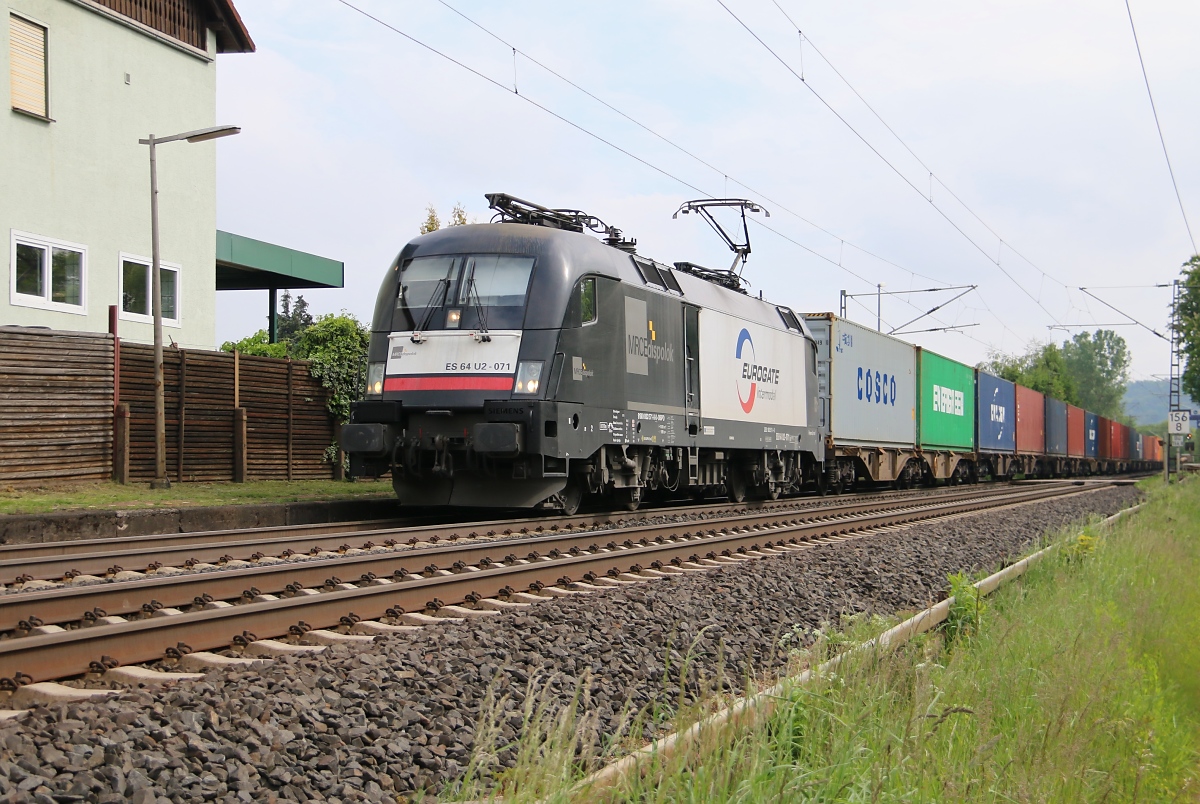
x=1127, y=315
x=1158, y=126
x=727, y=178
x=610, y=143
x=681, y=149
x=888, y=162
x=1001, y=243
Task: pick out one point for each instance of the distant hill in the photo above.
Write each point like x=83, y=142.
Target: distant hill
x=1146, y=401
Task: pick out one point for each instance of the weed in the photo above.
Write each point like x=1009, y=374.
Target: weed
x=966, y=612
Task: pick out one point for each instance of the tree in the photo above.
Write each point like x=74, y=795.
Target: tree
x=292, y=318
x=1041, y=368
x=1099, y=365
x=458, y=217
x=1189, y=326
x=432, y=221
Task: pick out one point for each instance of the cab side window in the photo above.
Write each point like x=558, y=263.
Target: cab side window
x=582, y=304
x=587, y=300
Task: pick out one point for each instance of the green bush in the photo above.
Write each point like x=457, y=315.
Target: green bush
x=336, y=348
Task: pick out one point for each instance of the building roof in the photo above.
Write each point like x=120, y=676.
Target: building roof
x=247, y=264
x=232, y=36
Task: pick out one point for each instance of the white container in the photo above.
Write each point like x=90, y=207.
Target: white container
x=866, y=384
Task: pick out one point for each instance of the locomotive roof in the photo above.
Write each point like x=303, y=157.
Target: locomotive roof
x=569, y=256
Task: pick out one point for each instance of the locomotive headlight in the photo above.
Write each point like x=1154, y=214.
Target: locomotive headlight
x=453, y=318
x=374, y=379
x=529, y=377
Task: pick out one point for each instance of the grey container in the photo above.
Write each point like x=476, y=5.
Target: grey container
x=866, y=384
x=1056, y=427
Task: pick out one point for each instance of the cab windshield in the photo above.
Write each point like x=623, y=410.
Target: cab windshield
x=466, y=291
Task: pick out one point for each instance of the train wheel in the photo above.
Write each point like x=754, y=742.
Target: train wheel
x=735, y=484
x=571, y=496
x=630, y=497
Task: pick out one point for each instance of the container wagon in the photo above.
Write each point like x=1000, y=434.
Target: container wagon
x=995, y=425
x=1031, y=431
x=1055, y=461
x=1075, y=440
x=1105, y=459
x=867, y=399
x=1091, y=443
x=946, y=417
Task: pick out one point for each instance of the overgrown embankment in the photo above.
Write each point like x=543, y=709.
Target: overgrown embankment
x=1077, y=683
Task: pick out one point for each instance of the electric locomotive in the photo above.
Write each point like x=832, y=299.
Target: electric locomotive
x=526, y=363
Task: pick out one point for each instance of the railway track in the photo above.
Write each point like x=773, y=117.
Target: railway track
x=48, y=635
x=75, y=561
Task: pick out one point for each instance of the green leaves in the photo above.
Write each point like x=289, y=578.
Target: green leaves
x=1099, y=365
x=1091, y=370
x=1043, y=368
x=257, y=345
x=336, y=347
x=1189, y=323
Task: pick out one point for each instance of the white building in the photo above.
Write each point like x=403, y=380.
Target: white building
x=87, y=80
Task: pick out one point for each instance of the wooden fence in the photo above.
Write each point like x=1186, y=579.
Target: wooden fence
x=208, y=394
x=56, y=406
x=228, y=417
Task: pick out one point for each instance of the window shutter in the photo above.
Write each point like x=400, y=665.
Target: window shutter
x=27, y=44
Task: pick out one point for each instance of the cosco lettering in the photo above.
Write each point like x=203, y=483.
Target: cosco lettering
x=875, y=386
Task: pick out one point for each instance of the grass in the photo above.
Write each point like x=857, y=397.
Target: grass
x=106, y=496
x=1077, y=683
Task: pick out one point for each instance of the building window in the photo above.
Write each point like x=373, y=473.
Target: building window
x=136, y=290
x=48, y=273
x=27, y=66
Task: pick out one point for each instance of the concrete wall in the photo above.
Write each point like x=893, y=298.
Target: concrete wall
x=85, y=179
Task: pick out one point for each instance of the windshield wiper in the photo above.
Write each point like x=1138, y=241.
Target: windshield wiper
x=435, y=302
x=480, y=312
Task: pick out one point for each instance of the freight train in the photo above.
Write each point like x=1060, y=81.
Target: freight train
x=525, y=363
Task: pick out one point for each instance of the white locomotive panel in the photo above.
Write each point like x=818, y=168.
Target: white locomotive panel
x=751, y=373
x=452, y=352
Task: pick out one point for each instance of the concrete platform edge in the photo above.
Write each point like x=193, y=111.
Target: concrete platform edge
x=74, y=525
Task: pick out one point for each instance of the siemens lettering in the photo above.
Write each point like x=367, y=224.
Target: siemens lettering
x=876, y=387
x=947, y=400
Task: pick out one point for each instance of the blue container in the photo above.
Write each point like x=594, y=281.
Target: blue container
x=1135, y=445
x=996, y=414
x=1056, y=427
x=1091, y=435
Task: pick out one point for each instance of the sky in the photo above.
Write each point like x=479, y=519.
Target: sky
x=1008, y=145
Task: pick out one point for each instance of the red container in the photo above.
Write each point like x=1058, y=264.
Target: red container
x=1031, y=421
x=1075, y=435
x=1119, y=440
x=1104, y=437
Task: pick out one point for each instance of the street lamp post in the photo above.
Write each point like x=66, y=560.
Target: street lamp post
x=161, y=481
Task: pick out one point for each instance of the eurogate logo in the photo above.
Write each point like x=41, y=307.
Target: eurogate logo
x=752, y=373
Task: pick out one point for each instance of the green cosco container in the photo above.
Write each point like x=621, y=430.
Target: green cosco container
x=946, y=410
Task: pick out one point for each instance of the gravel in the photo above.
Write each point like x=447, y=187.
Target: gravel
x=371, y=724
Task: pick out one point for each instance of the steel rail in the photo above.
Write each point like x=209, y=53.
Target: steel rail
x=73, y=652
x=59, y=605
x=174, y=550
